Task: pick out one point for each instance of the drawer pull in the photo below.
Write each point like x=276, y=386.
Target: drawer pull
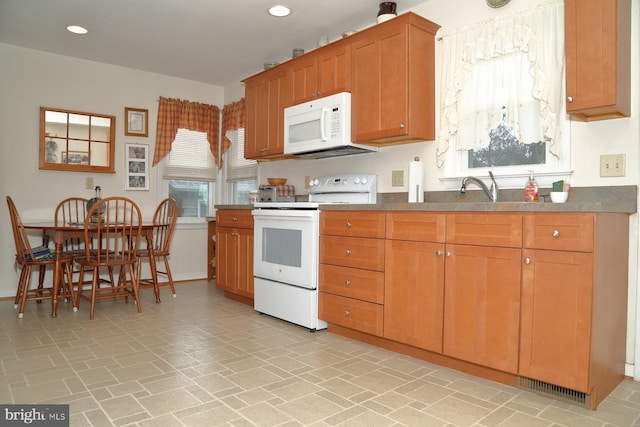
x=555, y=233
x=347, y=282
x=527, y=261
x=438, y=252
x=348, y=251
x=235, y=218
x=347, y=312
x=348, y=224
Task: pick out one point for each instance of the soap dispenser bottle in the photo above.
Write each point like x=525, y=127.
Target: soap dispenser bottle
x=531, y=189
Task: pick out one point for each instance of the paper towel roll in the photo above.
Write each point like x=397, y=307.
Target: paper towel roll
x=416, y=179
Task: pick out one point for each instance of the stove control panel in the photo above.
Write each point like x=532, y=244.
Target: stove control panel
x=343, y=183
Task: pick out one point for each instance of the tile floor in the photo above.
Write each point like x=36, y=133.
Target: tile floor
x=202, y=360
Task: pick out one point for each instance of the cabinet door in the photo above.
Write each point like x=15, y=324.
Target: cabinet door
x=379, y=82
x=557, y=289
x=244, y=284
x=304, y=76
x=482, y=305
x=414, y=290
x=266, y=96
x=211, y=250
x=321, y=73
x=227, y=261
x=597, y=45
x=334, y=69
x=393, y=82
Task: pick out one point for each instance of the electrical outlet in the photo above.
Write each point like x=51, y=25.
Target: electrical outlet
x=612, y=165
x=88, y=183
x=397, y=178
x=306, y=181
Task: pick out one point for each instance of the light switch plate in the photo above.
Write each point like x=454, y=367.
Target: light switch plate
x=397, y=178
x=612, y=165
x=88, y=183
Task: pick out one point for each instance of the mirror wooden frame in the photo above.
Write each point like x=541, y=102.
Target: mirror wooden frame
x=77, y=147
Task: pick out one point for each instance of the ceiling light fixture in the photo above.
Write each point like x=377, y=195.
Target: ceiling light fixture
x=76, y=29
x=279, y=10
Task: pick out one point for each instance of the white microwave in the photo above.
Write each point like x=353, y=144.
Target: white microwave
x=321, y=128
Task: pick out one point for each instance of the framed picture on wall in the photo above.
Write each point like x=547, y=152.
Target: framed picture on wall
x=136, y=122
x=136, y=167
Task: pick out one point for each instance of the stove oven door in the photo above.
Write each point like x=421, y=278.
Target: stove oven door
x=286, y=246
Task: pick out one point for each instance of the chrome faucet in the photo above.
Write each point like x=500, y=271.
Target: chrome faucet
x=491, y=192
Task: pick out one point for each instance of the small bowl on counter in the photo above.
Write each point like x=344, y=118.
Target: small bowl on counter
x=277, y=181
x=559, y=196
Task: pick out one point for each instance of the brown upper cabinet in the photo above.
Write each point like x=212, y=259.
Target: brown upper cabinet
x=388, y=68
x=322, y=72
x=598, y=46
x=76, y=141
x=266, y=96
x=393, y=82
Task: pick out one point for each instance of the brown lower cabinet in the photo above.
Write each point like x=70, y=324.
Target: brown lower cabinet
x=530, y=299
x=234, y=254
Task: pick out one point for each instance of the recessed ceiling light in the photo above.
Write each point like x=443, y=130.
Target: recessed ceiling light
x=76, y=29
x=279, y=10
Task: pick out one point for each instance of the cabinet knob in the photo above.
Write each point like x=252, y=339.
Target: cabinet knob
x=569, y=98
x=348, y=224
x=347, y=312
x=555, y=233
x=527, y=261
x=401, y=125
x=438, y=252
x=348, y=252
x=347, y=282
x=234, y=218
x=447, y=254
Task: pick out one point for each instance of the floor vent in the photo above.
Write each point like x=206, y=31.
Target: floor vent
x=554, y=391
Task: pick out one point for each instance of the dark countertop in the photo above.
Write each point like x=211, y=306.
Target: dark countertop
x=618, y=199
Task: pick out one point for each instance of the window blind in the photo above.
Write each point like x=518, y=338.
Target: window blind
x=190, y=158
x=239, y=167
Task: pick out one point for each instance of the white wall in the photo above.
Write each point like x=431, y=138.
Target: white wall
x=588, y=142
x=30, y=79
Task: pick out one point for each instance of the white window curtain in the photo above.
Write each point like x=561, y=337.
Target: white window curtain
x=239, y=168
x=190, y=158
x=482, y=79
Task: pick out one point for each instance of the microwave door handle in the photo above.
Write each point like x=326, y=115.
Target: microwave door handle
x=323, y=135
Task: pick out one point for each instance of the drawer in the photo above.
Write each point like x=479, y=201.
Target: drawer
x=355, y=283
x=234, y=218
x=494, y=229
x=351, y=313
x=417, y=227
x=355, y=252
x=352, y=223
x=565, y=232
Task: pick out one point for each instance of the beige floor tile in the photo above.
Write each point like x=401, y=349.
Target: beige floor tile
x=457, y=412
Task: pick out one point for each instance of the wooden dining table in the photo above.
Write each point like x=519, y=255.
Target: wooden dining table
x=60, y=232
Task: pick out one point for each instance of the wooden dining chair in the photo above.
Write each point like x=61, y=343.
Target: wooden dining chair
x=73, y=211
x=28, y=257
x=113, y=225
x=164, y=222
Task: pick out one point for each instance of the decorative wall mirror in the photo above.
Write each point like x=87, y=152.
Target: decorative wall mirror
x=76, y=141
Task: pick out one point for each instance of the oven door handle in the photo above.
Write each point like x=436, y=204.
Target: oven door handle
x=285, y=213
